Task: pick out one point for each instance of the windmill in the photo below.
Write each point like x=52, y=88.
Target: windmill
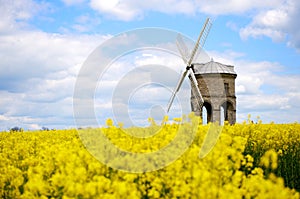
x=188, y=59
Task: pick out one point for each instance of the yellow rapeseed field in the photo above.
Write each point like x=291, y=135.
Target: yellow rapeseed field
x=248, y=161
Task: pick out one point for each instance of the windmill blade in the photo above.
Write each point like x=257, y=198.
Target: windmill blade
x=201, y=39
x=176, y=89
x=195, y=89
x=182, y=48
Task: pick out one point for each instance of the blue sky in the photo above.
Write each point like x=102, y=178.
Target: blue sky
x=44, y=44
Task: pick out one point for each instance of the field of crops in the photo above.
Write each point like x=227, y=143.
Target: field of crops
x=248, y=161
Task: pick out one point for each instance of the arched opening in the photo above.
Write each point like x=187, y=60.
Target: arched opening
x=226, y=111
x=206, y=113
x=222, y=115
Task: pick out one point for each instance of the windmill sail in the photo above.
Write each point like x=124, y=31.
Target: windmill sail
x=201, y=39
x=182, y=48
x=177, y=89
x=189, y=68
x=195, y=89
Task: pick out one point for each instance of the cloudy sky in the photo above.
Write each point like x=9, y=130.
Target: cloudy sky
x=44, y=44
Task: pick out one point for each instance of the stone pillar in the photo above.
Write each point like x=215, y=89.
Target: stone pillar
x=216, y=115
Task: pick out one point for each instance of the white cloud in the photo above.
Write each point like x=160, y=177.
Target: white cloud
x=221, y=7
x=263, y=102
x=276, y=19
x=270, y=23
x=135, y=9
x=134, y=86
x=37, y=69
x=278, y=23
x=86, y=23
x=115, y=9
x=17, y=110
x=38, y=74
x=15, y=14
x=27, y=55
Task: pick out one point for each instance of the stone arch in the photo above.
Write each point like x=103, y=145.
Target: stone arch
x=209, y=112
x=229, y=111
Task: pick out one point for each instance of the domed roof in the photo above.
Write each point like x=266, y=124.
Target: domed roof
x=213, y=67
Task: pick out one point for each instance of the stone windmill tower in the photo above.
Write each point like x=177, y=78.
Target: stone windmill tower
x=216, y=82
x=212, y=83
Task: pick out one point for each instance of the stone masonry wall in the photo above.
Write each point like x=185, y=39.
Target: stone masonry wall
x=212, y=88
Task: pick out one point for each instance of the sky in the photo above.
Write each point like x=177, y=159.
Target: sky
x=45, y=44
